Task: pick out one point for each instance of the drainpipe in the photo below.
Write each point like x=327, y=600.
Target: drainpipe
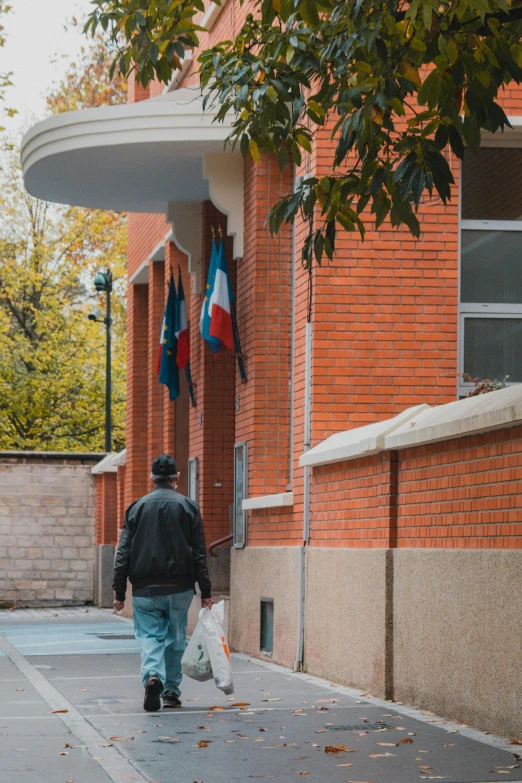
x=298, y=665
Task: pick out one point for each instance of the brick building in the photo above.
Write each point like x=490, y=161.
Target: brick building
x=376, y=518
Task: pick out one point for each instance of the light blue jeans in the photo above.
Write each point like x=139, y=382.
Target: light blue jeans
x=160, y=625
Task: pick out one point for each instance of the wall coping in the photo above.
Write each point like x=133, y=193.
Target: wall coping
x=106, y=465
x=44, y=456
x=472, y=416
x=421, y=425
x=357, y=442
x=269, y=501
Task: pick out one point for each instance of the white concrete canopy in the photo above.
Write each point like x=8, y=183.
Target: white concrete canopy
x=137, y=157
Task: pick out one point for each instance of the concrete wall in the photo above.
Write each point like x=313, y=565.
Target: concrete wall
x=47, y=528
x=347, y=616
x=264, y=572
x=458, y=636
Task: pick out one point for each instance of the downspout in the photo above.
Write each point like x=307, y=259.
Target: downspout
x=298, y=665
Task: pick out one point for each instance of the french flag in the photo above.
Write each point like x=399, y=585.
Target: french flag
x=182, y=331
x=220, y=305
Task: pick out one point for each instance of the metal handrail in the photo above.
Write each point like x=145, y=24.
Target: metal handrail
x=220, y=542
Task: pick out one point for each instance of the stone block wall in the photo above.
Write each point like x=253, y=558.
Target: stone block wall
x=47, y=528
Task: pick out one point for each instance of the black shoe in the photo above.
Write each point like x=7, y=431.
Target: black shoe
x=170, y=700
x=153, y=688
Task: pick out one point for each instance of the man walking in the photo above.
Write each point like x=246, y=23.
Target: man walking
x=162, y=552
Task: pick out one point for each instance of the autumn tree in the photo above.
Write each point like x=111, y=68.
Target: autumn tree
x=52, y=358
x=397, y=84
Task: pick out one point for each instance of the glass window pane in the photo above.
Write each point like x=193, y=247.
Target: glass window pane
x=493, y=348
x=267, y=625
x=491, y=267
x=492, y=184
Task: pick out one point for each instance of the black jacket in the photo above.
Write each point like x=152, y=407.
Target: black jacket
x=162, y=543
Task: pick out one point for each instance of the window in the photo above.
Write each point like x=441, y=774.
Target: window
x=490, y=344
x=267, y=625
x=239, y=517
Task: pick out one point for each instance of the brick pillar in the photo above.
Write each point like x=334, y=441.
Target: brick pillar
x=212, y=421
x=176, y=417
x=136, y=481
x=264, y=300
x=120, y=504
x=155, y=388
x=109, y=497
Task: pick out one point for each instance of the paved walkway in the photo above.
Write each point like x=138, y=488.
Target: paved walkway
x=71, y=712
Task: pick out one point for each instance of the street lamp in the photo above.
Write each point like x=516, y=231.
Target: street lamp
x=103, y=282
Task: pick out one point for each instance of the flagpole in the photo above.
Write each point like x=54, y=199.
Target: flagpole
x=237, y=344
x=190, y=383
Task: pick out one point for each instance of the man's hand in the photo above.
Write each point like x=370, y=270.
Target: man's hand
x=207, y=603
x=118, y=605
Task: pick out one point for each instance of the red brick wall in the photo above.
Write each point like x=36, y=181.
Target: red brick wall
x=462, y=493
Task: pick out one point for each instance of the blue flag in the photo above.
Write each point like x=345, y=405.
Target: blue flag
x=204, y=322
x=169, y=370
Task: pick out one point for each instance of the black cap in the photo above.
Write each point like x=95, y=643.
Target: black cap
x=164, y=466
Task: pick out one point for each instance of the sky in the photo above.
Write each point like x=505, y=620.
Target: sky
x=37, y=50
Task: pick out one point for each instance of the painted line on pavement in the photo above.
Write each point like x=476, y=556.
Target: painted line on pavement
x=117, y=767
x=409, y=712
x=183, y=713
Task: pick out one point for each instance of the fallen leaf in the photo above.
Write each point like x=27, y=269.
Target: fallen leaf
x=400, y=728
x=345, y=765
x=109, y=745
x=301, y=773
x=83, y=690
x=19, y=689
x=205, y=728
x=449, y=745
x=389, y=744
x=338, y=749
x=227, y=742
x=381, y=755
x=240, y=704
x=63, y=753
x=202, y=744
x=216, y=709
x=321, y=731
x=516, y=742
x=53, y=711
x=405, y=741
x=121, y=739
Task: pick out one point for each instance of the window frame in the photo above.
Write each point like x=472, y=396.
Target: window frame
x=481, y=309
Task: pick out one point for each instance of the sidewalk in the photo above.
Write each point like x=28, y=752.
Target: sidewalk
x=86, y=665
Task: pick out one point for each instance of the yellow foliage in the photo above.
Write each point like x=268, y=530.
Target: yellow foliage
x=52, y=358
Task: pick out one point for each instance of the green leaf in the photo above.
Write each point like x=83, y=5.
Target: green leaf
x=429, y=92
x=308, y=10
x=254, y=151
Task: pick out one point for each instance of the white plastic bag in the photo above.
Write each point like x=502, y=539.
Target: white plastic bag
x=216, y=645
x=195, y=662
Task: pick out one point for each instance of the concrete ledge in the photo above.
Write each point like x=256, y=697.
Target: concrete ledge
x=357, y=442
x=471, y=416
x=269, y=501
x=109, y=464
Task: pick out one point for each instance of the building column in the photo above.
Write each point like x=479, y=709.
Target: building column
x=156, y=311
x=137, y=470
